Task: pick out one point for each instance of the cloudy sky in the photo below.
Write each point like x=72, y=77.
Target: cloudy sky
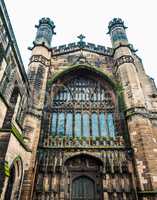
x=89, y=17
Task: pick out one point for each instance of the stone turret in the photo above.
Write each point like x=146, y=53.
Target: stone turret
x=38, y=69
x=117, y=31
x=45, y=32
x=40, y=60
x=124, y=64
x=139, y=125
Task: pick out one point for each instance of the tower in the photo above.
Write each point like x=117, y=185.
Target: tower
x=37, y=76
x=125, y=69
x=140, y=109
x=116, y=29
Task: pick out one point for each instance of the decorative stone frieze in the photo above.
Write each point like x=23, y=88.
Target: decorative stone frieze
x=124, y=59
x=41, y=59
x=63, y=49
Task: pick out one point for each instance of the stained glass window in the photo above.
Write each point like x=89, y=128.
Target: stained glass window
x=111, y=127
x=95, y=130
x=69, y=124
x=103, y=125
x=60, y=128
x=82, y=107
x=54, y=123
x=86, y=124
x=78, y=124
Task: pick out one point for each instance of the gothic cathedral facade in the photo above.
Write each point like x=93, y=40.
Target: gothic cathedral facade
x=81, y=124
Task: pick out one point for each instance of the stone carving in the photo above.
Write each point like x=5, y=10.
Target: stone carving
x=113, y=165
x=84, y=46
x=141, y=111
x=124, y=59
x=80, y=142
x=41, y=59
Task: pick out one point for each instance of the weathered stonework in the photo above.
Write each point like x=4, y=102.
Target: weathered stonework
x=85, y=116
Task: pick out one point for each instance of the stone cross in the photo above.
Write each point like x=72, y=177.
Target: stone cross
x=81, y=37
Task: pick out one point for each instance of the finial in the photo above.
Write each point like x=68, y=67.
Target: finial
x=116, y=22
x=46, y=21
x=81, y=37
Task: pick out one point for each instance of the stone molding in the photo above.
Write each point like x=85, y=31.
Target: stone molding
x=35, y=112
x=84, y=46
x=83, y=142
x=140, y=111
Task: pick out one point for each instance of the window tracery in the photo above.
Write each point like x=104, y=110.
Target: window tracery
x=83, y=107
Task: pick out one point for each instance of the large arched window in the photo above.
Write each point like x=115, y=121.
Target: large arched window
x=83, y=106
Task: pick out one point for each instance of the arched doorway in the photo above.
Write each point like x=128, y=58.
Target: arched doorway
x=84, y=175
x=15, y=180
x=11, y=182
x=83, y=188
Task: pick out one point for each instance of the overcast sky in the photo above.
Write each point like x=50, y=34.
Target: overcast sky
x=89, y=17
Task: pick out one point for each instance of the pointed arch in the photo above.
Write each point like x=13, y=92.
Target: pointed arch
x=84, y=171
x=15, y=179
x=87, y=87
x=83, y=187
x=87, y=155
x=86, y=67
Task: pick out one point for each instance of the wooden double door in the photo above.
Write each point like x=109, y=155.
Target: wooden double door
x=83, y=188
x=85, y=179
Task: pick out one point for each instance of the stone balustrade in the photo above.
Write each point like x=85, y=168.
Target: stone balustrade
x=89, y=142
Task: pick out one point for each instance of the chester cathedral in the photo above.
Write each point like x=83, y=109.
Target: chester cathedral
x=81, y=124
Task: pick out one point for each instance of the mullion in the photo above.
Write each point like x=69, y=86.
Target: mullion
x=87, y=95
